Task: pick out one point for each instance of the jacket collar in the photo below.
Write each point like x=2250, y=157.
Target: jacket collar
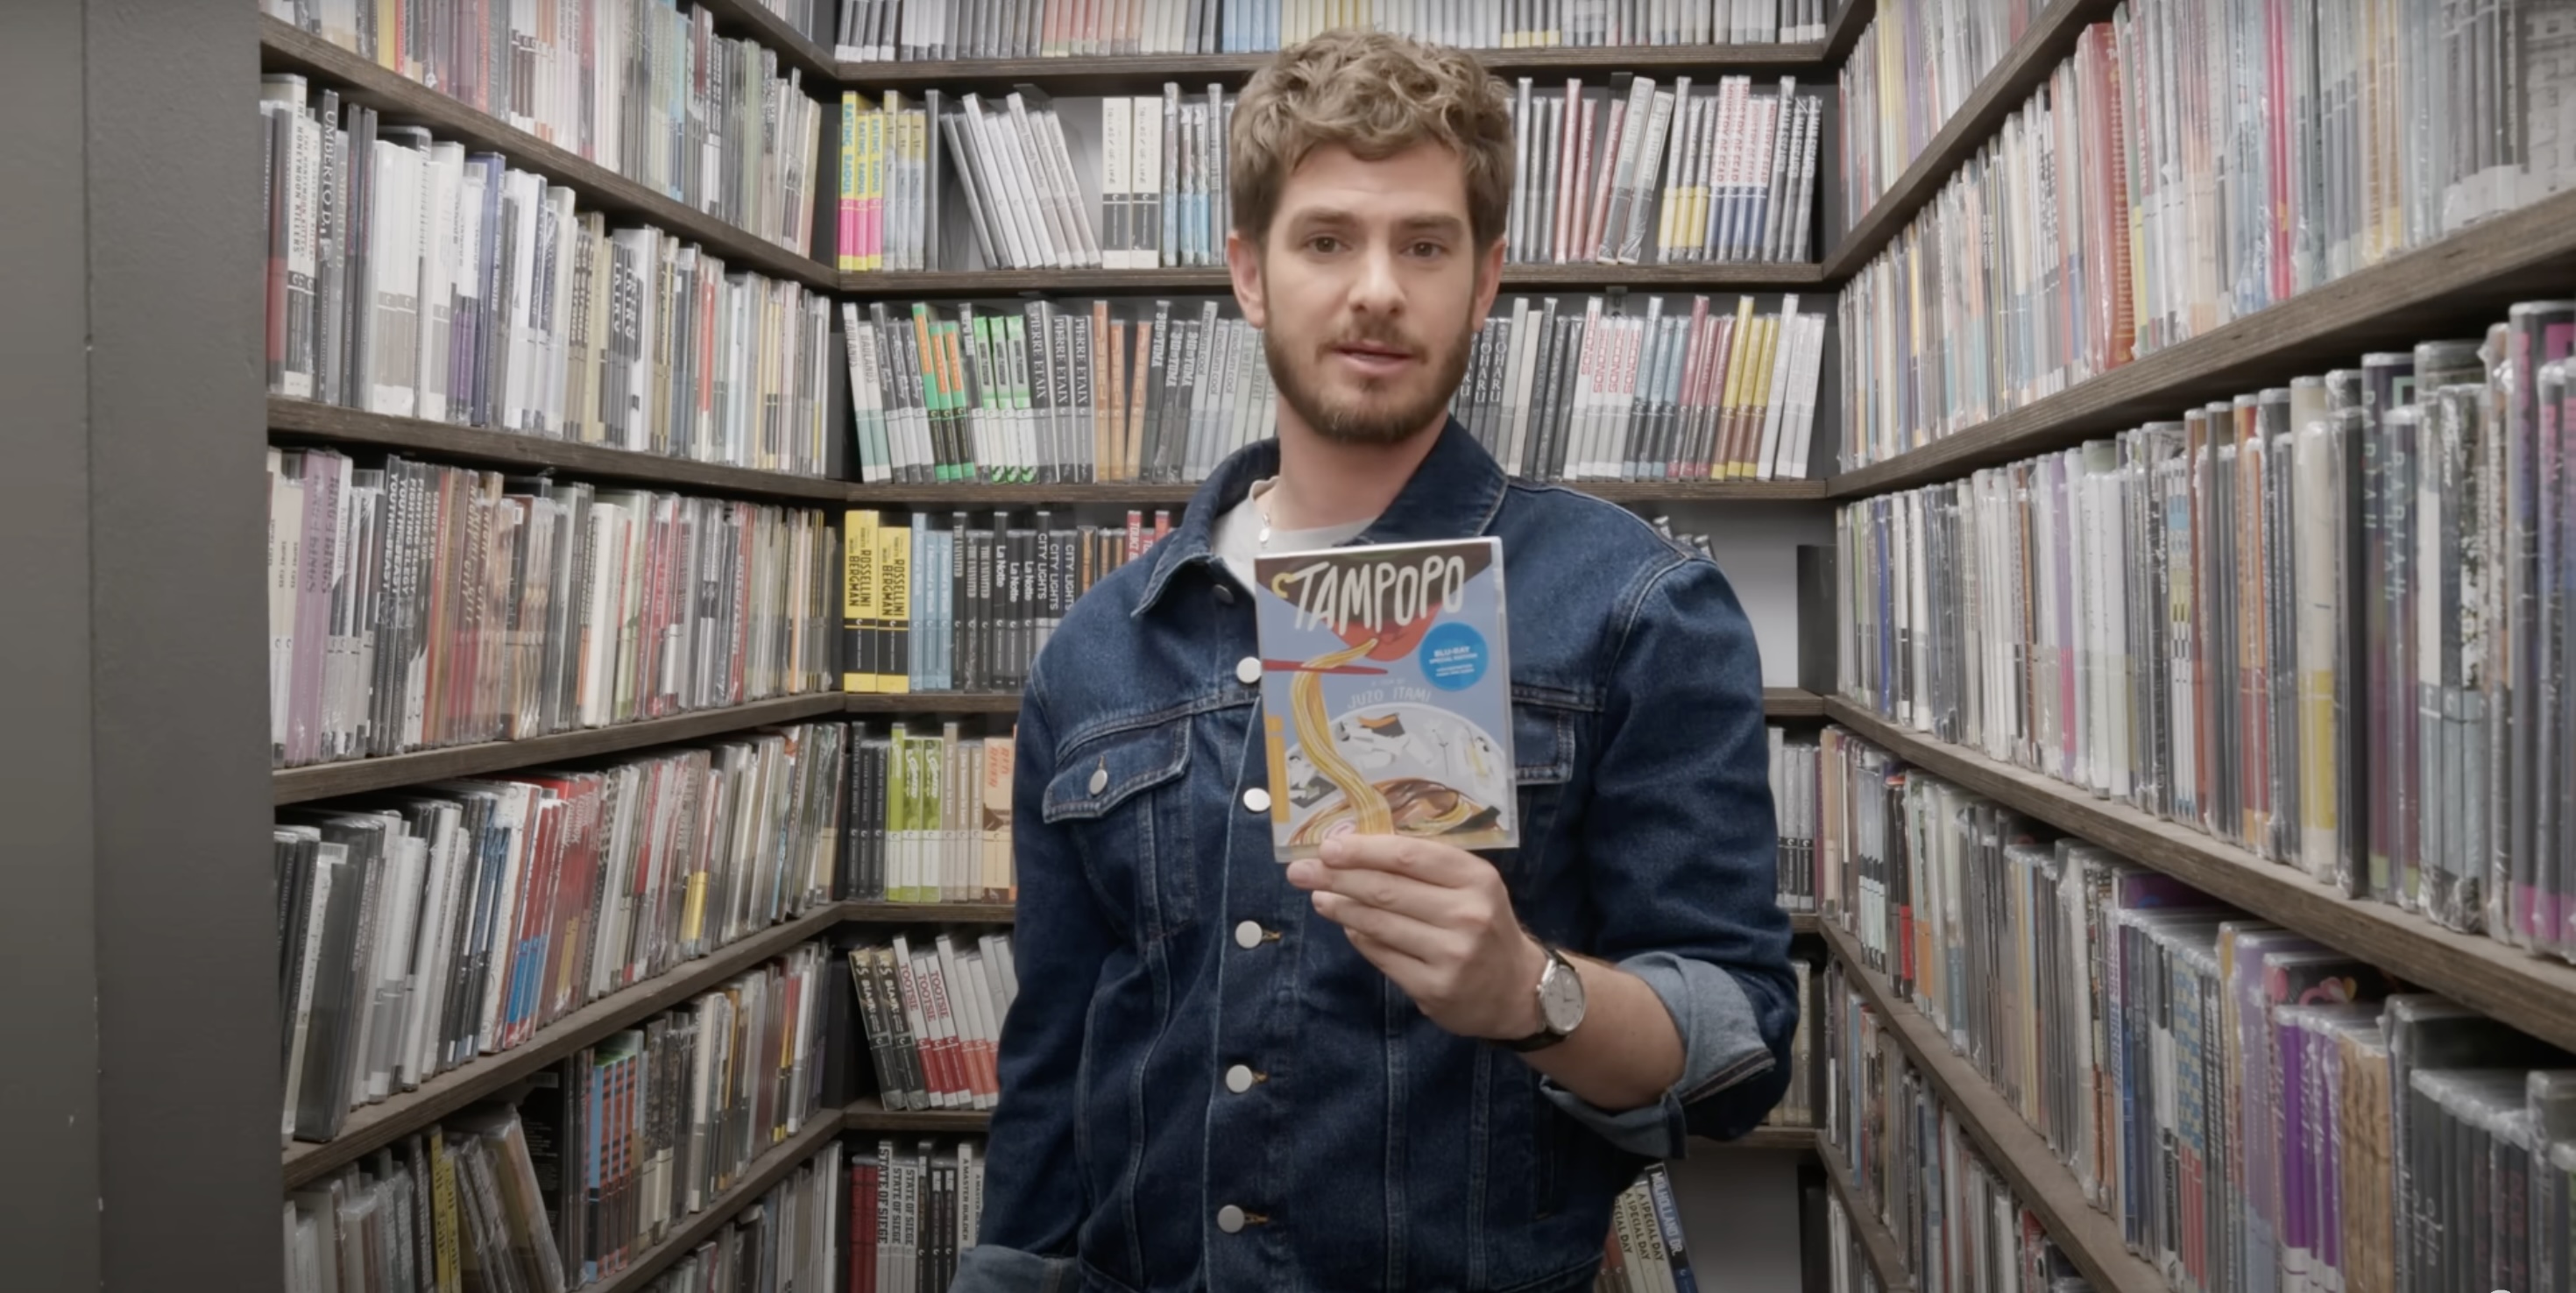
x=1454, y=493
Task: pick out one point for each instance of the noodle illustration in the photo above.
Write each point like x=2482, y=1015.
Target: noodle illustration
x=1314, y=734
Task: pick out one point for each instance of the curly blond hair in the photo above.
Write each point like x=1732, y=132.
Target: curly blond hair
x=1377, y=95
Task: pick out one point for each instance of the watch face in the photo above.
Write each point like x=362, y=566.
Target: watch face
x=1560, y=997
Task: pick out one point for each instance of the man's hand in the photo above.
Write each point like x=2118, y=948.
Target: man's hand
x=1437, y=920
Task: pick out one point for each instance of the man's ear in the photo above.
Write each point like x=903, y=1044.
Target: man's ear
x=1243, y=265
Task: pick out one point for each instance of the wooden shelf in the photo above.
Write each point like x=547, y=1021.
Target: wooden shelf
x=1799, y=1139
x=357, y=776
x=1146, y=73
x=934, y=702
x=865, y=912
x=910, y=285
x=1804, y=922
x=377, y=1125
x=323, y=781
x=2454, y=287
x=306, y=420
x=2049, y=39
x=1777, y=702
x=285, y=48
x=1139, y=494
x=983, y=494
x=1845, y=30
x=2091, y=1239
x=866, y=1114
x=1700, y=491
x=2535, y=995
x=1706, y=276
x=750, y=19
x=1790, y=702
x=765, y=1172
x=1877, y=1243
x=940, y=284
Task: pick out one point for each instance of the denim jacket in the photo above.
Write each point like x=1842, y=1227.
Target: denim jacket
x=1203, y=1085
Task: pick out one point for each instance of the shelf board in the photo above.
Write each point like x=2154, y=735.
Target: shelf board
x=1845, y=31
x=306, y=420
x=1877, y=1242
x=1777, y=702
x=1790, y=702
x=323, y=781
x=2452, y=287
x=750, y=19
x=1706, y=276
x=2535, y=995
x=1137, y=493
x=356, y=776
x=2046, y=43
x=286, y=48
x=868, y=912
x=907, y=285
x=940, y=284
x=1804, y=922
x=1800, y=1139
x=1701, y=491
x=2091, y=1239
x=1146, y=73
x=766, y=1171
x=934, y=702
x=374, y=1126
x=985, y=494
x=866, y=1114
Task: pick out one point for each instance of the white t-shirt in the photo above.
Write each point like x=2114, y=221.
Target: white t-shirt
x=1236, y=538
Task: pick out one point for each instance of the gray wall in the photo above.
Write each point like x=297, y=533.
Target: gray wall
x=137, y=945
x=48, y=1087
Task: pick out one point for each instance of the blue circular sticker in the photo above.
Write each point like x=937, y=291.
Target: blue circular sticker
x=1452, y=656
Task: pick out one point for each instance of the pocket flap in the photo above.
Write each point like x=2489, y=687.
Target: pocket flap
x=1542, y=744
x=1100, y=774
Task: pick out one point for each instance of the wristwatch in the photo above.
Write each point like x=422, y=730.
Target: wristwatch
x=1560, y=1004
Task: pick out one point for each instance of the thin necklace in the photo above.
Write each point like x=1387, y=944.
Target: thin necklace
x=1262, y=510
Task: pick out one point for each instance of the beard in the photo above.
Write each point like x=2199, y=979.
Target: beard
x=1373, y=411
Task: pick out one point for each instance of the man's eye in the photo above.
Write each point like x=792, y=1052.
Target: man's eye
x=1427, y=250
x=1324, y=242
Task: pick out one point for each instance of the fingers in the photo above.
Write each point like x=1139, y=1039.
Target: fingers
x=1428, y=861
x=1385, y=890
x=1409, y=972
x=1414, y=938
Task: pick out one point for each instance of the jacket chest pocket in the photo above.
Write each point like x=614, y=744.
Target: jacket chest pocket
x=1121, y=797
x=1543, y=741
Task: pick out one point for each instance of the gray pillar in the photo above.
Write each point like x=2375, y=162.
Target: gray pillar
x=186, y=955
x=48, y=1086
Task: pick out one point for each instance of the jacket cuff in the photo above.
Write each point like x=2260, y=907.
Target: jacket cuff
x=991, y=1268
x=1721, y=1045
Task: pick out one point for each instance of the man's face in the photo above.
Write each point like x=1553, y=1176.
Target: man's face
x=1368, y=291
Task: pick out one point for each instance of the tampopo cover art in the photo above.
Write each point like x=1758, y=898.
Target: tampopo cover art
x=1386, y=694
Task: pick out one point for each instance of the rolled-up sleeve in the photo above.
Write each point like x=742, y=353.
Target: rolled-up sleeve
x=1680, y=846
x=1033, y=1202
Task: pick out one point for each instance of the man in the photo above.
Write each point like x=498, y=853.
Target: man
x=1402, y=1066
